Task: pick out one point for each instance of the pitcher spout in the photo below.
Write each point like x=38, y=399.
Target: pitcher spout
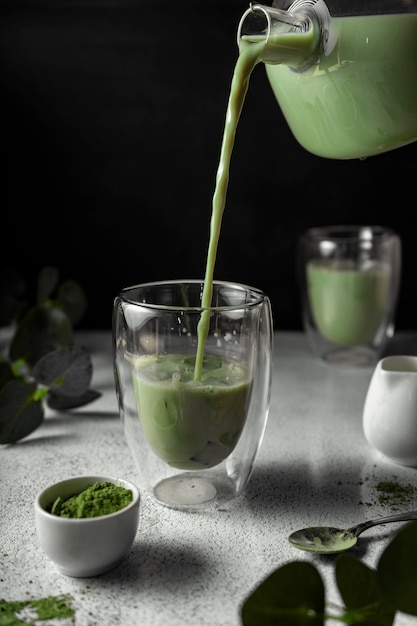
x=293, y=37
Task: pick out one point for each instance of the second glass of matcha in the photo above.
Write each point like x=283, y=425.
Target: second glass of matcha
x=193, y=385
x=349, y=278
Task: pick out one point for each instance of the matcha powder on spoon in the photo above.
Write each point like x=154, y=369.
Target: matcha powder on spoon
x=98, y=499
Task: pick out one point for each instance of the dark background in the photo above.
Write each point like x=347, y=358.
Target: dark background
x=112, y=118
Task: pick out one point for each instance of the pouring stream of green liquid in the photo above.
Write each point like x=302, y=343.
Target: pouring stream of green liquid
x=250, y=55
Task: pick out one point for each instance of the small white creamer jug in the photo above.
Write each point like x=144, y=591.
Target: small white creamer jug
x=390, y=409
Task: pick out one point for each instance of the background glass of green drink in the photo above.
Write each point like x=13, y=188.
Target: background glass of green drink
x=349, y=280
x=193, y=387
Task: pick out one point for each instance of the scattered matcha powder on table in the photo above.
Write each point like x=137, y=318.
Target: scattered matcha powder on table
x=97, y=499
x=52, y=607
x=390, y=493
x=394, y=494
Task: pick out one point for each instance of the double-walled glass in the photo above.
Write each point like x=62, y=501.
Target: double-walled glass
x=349, y=279
x=193, y=387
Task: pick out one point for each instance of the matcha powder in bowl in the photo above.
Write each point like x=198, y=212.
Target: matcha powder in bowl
x=97, y=499
x=86, y=524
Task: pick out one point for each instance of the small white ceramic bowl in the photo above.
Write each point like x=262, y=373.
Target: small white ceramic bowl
x=90, y=546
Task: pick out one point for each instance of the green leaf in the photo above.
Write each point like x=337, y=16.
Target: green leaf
x=20, y=414
x=65, y=403
x=73, y=301
x=6, y=373
x=47, y=283
x=42, y=330
x=360, y=592
x=397, y=570
x=292, y=595
x=66, y=372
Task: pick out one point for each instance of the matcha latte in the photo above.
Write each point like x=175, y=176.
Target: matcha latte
x=191, y=424
x=349, y=280
x=348, y=303
x=193, y=362
x=194, y=439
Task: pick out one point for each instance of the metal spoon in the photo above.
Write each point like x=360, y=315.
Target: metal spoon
x=329, y=540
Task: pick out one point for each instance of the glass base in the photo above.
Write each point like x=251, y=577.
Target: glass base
x=193, y=492
x=351, y=357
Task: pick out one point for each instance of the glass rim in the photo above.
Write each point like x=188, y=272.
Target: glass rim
x=350, y=232
x=257, y=295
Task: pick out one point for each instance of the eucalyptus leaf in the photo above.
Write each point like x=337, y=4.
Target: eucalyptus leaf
x=397, y=570
x=47, y=282
x=42, y=365
x=6, y=373
x=359, y=589
x=42, y=330
x=66, y=372
x=73, y=301
x=65, y=403
x=20, y=413
x=292, y=595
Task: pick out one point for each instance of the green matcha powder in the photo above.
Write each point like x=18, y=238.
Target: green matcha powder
x=98, y=499
x=53, y=607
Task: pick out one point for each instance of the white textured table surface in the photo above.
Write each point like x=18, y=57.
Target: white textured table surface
x=314, y=467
